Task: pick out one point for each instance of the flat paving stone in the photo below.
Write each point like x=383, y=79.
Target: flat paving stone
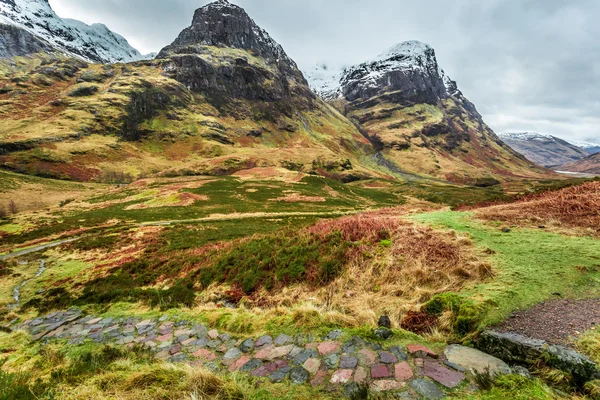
x=327, y=348
x=361, y=375
x=387, y=358
x=341, y=376
x=312, y=365
x=386, y=385
x=442, y=375
x=283, y=340
x=263, y=341
x=366, y=357
x=251, y=365
x=472, y=359
x=264, y=352
x=403, y=372
x=280, y=374
x=427, y=389
x=239, y=363
x=299, y=375
x=305, y=355
x=205, y=355
x=264, y=370
x=247, y=345
x=381, y=371
x=320, y=378
x=348, y=362
x=331, y=361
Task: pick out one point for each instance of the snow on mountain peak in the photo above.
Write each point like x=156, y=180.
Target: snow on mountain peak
x=93, y=43
x=413, y=57
x=526, y=136
x=411, y=48
x=325, y=80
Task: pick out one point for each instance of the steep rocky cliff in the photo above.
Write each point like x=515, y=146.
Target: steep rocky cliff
x=15, y=41
x=226, y=56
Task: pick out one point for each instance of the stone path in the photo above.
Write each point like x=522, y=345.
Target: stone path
x=413, y=371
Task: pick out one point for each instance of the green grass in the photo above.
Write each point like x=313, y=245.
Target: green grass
x=530, y=265
x=513, y=387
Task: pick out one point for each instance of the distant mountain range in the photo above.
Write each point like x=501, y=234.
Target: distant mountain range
x=551, y=151
x=225, y=97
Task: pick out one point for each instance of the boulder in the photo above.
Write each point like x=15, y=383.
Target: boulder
x=519, y=349
x=475, y=360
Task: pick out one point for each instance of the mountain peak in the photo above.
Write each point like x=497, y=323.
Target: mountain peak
x=411, y=48
x=223, y=24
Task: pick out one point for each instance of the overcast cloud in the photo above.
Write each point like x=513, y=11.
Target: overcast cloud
x=526, y=64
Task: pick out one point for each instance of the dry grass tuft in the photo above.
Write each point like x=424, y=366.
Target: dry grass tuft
x=574, y=207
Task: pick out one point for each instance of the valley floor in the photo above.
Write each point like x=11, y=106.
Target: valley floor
x=145, y=294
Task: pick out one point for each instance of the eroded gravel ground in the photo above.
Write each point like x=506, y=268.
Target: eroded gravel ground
x=556, y=321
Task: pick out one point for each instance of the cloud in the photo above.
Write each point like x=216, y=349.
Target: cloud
x=526, y=64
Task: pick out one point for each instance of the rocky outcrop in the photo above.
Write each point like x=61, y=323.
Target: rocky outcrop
x=518, y=349
x=15, y=41
x=224, y=55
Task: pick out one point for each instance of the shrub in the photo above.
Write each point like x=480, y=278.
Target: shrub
x=84, y=90
x=281, y=259
x=466, y=313
x=3, y=213
x=65, y=202
x=485, y=380
x=12, y=207
x=19, y=386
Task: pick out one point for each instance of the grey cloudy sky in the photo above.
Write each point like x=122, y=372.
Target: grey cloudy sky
x=528, y=65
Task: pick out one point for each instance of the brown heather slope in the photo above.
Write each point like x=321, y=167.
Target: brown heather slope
x=576, y=207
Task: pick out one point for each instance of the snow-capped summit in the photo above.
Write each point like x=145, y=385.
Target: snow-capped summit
x=527, y=136
x=592, y=148
x=93, y=43
x=408, y=66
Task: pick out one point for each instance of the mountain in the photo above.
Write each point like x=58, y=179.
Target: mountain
x=92, y=43
x=418, y=118
x=588, y=165
x=223, y=97
x=542, y=149
x=590, y=148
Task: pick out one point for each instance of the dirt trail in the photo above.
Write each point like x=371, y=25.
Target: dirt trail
x=35, y=249
x=555, y=321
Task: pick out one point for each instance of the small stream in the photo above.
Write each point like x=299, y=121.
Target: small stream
x=17, y=289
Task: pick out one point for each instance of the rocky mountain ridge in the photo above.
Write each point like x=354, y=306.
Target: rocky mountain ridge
x=543, y=149
x=403, y=101
x=92, y=43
